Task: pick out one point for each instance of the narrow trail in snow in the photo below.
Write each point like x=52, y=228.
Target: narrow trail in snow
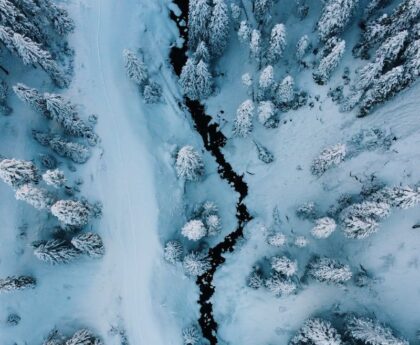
x=213, y=140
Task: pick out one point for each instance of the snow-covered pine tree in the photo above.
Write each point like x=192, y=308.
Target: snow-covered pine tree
x=204, y=80
x=329, y=63
x=173, y=251
x=371, y=332
x=329, y=157
x=152, y=92
x=277, y=43
x=196, y=263
x=402, y=196
x=285, y=93
x=191, y=335
x=54, y=178
x=301, y=242
x=76, y=152
x=329, y=271
x=302, y=47
x=37, y=197
x=196, y=80
x=235, y=12
x=57, y=16
x=194, y=230
x=17, y=172
x=412, y=61
x=266, y=83
x=242, y=126
x=90, y=244
x=264, y=155
x=135, y=68
x=276, y=240
x=199, y=13
x=307, y=211
x=213, y=224
x=84, y=337
x=334, y=17
x=218, y=28
x=361, y=220
x=189, y=165
x=32, y=97
x=244, y=32
x=284, y=265
x=317, y=332
x=267, y=112
x=202, y=52
x=72, y=212
x=323, y=228
x=14, y=283
x=255, y=279
x=56, y=252
x=5, y=109
x=255, y=45
x=384, y=88
x=280, y=286
x=389, y=50
x=262, y=10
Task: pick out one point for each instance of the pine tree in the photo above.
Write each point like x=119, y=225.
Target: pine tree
x=266, y=83
x=194, y=230
x=412, y=61
x=32, y=97
x=199, y=13
x=328, y=158
x=371, y=332
x=255, y=45
x=277, y=43
x=173, y=252
x=76, y=152
x=284, y=265
x=276, y=240
x=5, y=109
x=317, y=332
x=267, y=114
x=264, y=155
x=335, y=16
x=152, y=93
x=307, y=211
x=280, y=286
x=58, y=16
x=196, y=80
x=213, y=224
x=262, y=9
x=218, y=28
x=242, y=126
x=72, y=212
x=329, y=63
x=235, y=12
x=285, y=93
x=202, y=52
x=391, y=48
x=255, y=280
x=361, y=220
x=135, y=68
x=37, y=197
x=329, y=271
x=384, y=88
x=196, y=264
x=323, y=228
x=54, y=178
x=16, y=172
x=84, y=337
x=14, y=283
x=204, y=80
x=90, y=244
x=189, y=164
x=402, y=197
x=244, y=32
x=56, y=252
x=302, y=47
x=191, y=335
x=301, y=242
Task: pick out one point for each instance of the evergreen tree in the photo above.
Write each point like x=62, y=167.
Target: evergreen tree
x=194, y=230
x=285, y=93
x=255, y=280
x=302, y=47
x=32, y=97
x=266, y=83
x=284, y=265
x=17, y=172
x=37, y=197
x=5, y=109
x=277, y=43
x=361, y=220
x=371, y=332
x=301, y=242
x=202, y=52
x=244, y=32
x=402, y=197
x=191, y=335
x=323, y=228
x=135, y=68
x=255, y=45
x=14, y=283
x=262, y=9
x=218, y=28
x=196, y=80
x=76, y=152
x=267, y=114
x=242, y=126
x=236, y=13
x=173, y=252
x=189, y=164
x=72, y=212
x=204, y=80
x=329, y=271
x=84, y=337
x=276, y=240
x=329, y=63
x=54, y=178
x=152, y=93
x=196, y=264
x=213, y=224
x=317, y=332
x=56, y=252
x=334, y=17
x=57, y=16
x=90, y=244
x=328, y=158
x=264, y=155
x=280, y=286
x=412, y=61
x=199, y=13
